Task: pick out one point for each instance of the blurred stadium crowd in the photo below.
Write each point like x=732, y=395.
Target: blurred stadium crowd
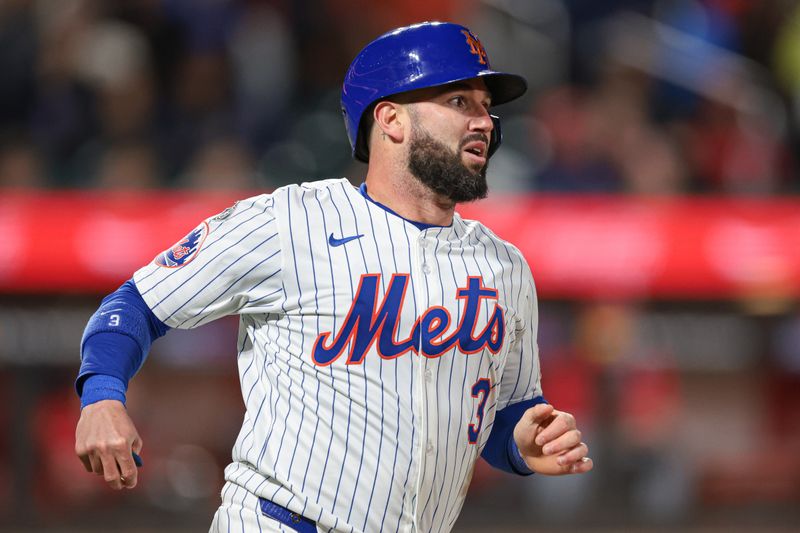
x=638, y=96
x=690, y=407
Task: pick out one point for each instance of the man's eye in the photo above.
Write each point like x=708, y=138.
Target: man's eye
x=458, y=101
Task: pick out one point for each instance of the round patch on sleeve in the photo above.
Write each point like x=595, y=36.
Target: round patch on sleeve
x=184, y=250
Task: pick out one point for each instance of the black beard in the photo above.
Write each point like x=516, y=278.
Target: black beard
x=442, y=170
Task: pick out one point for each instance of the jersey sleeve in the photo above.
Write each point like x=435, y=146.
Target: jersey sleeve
x=522, y=376
x=229, y=264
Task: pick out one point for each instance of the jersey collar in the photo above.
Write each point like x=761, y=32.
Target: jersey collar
x=419, y=225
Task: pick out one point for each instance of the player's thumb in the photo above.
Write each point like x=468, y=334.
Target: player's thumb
x=530, y=425
x=539, y=413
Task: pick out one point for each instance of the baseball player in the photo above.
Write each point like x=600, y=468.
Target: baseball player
x=385, y=343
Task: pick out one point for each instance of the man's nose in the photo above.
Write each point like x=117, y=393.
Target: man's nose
x=482, y=121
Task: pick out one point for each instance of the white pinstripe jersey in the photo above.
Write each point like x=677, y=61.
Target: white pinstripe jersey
x=367, y=365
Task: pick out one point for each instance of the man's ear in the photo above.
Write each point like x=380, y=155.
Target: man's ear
x=389, y=118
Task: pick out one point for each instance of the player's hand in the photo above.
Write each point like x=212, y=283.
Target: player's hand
x=550, y=442
x=104, y=439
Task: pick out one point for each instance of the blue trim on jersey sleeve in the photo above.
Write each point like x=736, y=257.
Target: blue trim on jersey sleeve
x=501, y=451
x=117, y=339
x=418, y=225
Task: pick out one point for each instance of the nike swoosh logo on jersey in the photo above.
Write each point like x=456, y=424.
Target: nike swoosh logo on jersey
x=333, y=241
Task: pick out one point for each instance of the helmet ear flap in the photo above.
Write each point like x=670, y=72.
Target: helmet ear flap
x=497, y=136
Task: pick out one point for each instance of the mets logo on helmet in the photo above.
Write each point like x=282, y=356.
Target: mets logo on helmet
x=475, y=47
x=184, y=250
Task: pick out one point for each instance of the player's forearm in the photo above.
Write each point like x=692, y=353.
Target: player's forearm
x=115, y=344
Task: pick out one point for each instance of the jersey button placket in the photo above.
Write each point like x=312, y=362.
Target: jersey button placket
x=424, y=246
x=423, y=380
x=418, y=266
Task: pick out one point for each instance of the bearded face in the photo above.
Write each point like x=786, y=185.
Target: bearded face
x=443, y=171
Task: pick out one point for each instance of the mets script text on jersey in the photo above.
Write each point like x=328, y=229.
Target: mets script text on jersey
x=366, y=322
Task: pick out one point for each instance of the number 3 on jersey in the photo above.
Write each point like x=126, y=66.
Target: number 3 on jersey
x=480, y=388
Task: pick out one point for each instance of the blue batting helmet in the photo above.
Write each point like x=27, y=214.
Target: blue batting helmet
x=414, y=57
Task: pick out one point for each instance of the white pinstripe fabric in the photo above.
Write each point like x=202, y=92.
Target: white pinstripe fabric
x=376, y=446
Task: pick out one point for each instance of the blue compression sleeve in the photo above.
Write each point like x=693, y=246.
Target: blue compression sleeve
x=101, y=387
x=518, y=464
x=501, y=450
x=115, y=344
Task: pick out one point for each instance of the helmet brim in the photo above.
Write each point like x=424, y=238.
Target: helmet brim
x=504, y=87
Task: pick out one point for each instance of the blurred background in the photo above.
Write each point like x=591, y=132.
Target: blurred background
x=650, y=176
